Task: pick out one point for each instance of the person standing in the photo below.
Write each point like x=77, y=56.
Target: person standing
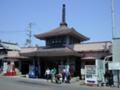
x=53, y=72
x=63, y=75
x=110, y=79
x=47, y=74
x=67, y=76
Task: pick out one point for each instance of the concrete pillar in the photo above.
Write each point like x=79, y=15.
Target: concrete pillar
x=61, y=62
x=116, y=59
x=68, y=61
x=116, y=78
x=39, y=67
x=33, y=61
x=20, y=65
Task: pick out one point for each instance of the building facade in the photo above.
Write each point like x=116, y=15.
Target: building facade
x=5, y=60
x=65, y=47
x=6, y=47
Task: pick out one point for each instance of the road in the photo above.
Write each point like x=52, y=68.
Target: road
x=8, y=83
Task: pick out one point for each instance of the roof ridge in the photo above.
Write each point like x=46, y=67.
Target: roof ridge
x=97, y=42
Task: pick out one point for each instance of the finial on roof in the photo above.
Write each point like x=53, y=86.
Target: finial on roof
x=63, y=23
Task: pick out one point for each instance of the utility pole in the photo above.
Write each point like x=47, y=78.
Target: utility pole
x=113, y=19
x=116, y=71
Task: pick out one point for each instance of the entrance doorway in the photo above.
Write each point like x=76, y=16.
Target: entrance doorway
x=48, y=64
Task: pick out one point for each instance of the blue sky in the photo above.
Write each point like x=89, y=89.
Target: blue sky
x=89, y=17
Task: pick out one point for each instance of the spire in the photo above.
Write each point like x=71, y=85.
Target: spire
x=63, y=23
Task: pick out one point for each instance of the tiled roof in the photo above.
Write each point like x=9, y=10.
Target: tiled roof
x=71, y=50
x=28, y=49
x=62, y=30
x=51, y=52
x=14, y=55
x=94, y=46
x=9, y=46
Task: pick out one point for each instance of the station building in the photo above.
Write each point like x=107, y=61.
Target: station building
x=64, y=46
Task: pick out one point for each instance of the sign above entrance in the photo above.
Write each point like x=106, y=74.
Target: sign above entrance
x=114, y=66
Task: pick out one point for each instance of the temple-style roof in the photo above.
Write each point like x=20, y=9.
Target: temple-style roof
x=62, y=30
x=9, y=46
x=50, y=52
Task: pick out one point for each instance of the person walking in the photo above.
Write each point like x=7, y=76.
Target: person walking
x=67, y=77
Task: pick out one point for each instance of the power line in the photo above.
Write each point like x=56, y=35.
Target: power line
x=9, y=31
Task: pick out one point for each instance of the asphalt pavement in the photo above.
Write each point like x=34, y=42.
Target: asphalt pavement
x=20, y=83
